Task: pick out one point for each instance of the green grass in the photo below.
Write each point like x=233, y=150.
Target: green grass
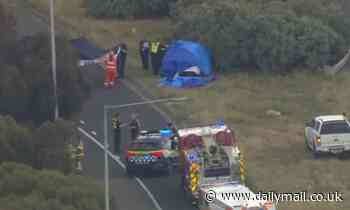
x=274, y=149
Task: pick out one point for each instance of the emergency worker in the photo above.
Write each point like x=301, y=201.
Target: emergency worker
x=155, y=59
x=79, y=155
x=175, y=137
x=116, y=124
x=144, y=53
x=173, y=128
x=161, y=52
x=72, y=155
x=135, y=127
x=110, y=63
x=122, y=53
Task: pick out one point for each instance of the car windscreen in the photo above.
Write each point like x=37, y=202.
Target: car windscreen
x=216, y=172
x=145, y=145
x=333, y=127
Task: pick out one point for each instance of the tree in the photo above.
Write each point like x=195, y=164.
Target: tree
x=267, y=35
x=26, y=80
x=15, y=142
x=128, y=8
x=50, y=143
x=43, y=148
x=25, y=188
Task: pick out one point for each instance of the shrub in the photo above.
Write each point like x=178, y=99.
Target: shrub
x=21, y=188
x=247, y=34
x=26, y=87
x=128, y=8
x=42, y=148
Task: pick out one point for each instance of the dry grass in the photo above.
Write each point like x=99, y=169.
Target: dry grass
x=273, y=146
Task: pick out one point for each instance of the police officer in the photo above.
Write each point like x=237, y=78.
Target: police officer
x=175, y=138
x=173, y=128
x=135, y=127
x=72, y=155
x=79, y=155
x=161, y=52
x=144, y=53
x=116, y=124
x=123, y=52
x=155, y=59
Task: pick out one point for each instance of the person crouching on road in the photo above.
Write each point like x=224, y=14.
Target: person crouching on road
x=144, y=53
x=135, y=127
x=110, y=69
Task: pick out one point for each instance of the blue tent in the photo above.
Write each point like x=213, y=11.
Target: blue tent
x=186, y=64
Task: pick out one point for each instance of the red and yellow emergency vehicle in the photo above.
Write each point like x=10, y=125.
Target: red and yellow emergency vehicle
x=209, y=155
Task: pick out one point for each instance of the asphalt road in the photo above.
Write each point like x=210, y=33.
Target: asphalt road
x=166, y=189
x=127, y=192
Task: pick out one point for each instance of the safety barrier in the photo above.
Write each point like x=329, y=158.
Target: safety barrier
x=242, y=171
x=194, y=170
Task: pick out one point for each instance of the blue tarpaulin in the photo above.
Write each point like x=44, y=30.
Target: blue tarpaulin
x=186, y=64
x=86, y=49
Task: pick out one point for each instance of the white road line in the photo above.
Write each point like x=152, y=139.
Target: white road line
x=121, y=164
x=149, y=193
x=115, y=158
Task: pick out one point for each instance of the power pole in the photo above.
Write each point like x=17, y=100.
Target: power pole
x=53, y=55
x=105, y=115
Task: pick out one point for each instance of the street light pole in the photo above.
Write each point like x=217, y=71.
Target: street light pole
x=53, y=55
x=106, y=158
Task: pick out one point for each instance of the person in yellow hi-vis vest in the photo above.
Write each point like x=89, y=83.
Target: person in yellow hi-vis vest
x=72, y=155
x=79, y=155
x=154, y=56
x=157, y=50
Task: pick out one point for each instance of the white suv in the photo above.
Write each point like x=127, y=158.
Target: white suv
x=328, y=134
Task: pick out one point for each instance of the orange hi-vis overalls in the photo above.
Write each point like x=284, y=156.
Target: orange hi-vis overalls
x=110, y=71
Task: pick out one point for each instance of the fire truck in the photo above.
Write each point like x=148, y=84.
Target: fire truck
x=209, y=155
x=232, y=196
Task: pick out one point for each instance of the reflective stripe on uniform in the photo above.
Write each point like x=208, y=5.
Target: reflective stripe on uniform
x=111, y=65
x=115, y=123
x=154, y=47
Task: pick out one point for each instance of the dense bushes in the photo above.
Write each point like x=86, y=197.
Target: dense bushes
x=26, y=87
x=21, y=187
x=128, y=8
x=270, y=36
x=44, y=147
x=26, y=93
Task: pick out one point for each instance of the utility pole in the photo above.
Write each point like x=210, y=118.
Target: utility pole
x=106, y=158
x=53, y=55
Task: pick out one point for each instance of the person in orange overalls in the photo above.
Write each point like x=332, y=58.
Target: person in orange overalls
x=110, y=64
